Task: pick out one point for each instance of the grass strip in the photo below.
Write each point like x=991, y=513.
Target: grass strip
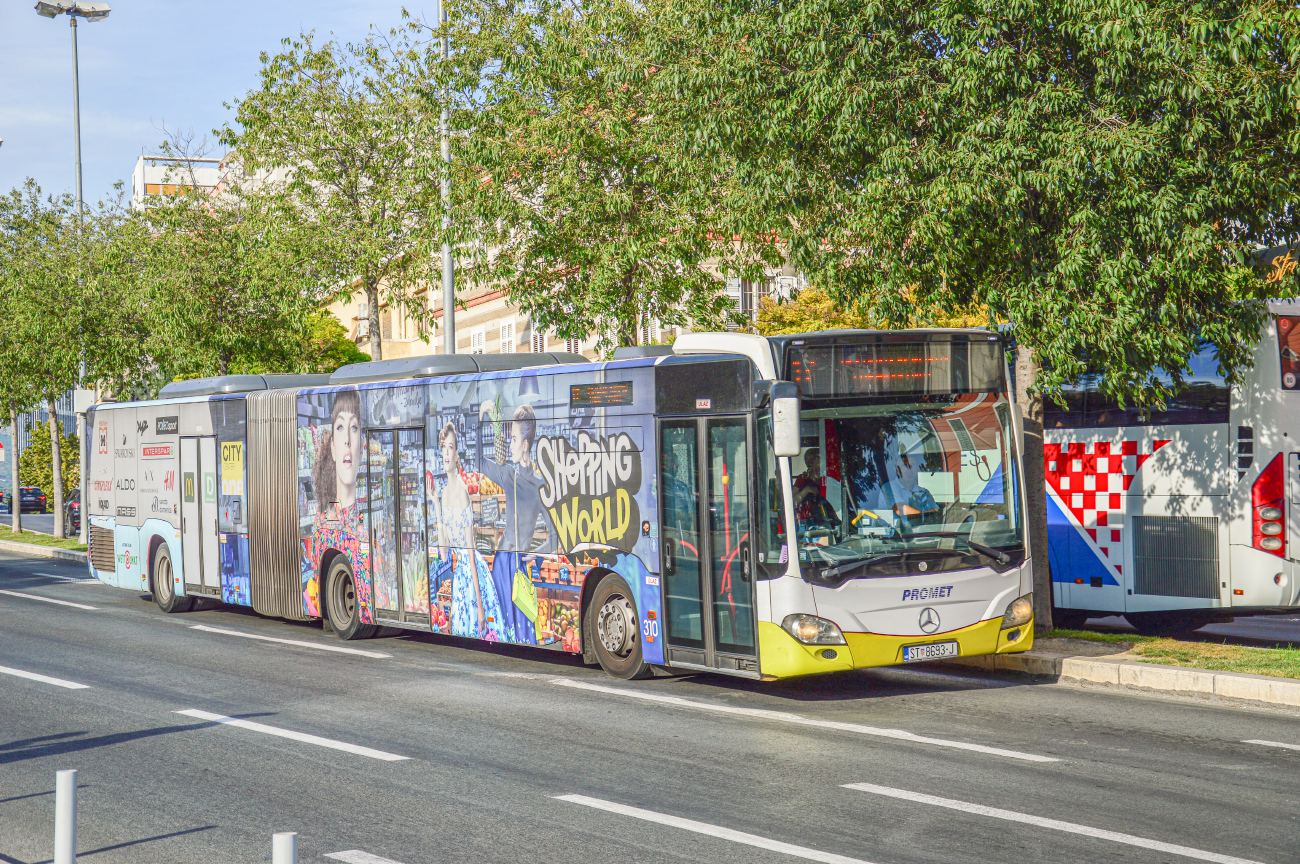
x=1211, y=656
x=35, y=539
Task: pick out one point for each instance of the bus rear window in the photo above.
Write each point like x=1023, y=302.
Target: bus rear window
x=1288, y=349
x=1203, y=398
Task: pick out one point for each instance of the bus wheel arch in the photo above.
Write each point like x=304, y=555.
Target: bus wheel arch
x=338, y=598
x=160, y=579
x=611, y=626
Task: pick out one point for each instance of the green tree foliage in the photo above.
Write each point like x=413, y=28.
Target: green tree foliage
x=35, y=463
x=813, y=309
x=571, y=192
x=1096, y=171
x=351, y=128
x=326, y=345
x=229, y=279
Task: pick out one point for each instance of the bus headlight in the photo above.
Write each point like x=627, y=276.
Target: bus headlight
x=811, y=630
x=1019, y=613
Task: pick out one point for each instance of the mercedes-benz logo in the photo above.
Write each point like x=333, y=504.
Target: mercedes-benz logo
x=929, y=620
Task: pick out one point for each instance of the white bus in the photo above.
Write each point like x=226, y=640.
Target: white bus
x=1185, y=516
x=760, y=507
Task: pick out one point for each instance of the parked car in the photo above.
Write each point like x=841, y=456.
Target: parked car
x=72, y=514
x=32, y=500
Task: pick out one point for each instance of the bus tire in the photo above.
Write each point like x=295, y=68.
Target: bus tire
x=164, y=593
x=1069, y=619
x=613, y=623
x=341, y=602
x=1164, y=623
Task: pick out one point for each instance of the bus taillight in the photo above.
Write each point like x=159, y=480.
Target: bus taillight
x=1267, y=503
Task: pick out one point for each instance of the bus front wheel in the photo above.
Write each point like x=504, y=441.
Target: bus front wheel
x=164, y=592
x=341, y=602
x=614, y=626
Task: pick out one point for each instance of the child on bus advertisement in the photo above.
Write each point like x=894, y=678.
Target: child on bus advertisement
x=338, y=522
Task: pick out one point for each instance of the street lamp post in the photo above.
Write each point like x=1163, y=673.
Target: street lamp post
x=448, y=264
x=92, y=11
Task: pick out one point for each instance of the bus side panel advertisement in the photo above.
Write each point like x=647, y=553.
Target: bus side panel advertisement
x=229, y=420
x=523, y=490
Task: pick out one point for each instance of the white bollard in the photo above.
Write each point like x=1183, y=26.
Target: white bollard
x=65, y=817
x=284, y=848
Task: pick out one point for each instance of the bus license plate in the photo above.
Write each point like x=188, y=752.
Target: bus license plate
x=937, y=651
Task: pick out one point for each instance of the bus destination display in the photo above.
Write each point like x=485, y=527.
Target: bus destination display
x=600, y=395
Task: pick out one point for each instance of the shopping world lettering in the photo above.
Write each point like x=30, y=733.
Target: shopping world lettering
x=589, y=490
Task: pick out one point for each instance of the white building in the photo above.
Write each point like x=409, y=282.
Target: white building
x=164, y=175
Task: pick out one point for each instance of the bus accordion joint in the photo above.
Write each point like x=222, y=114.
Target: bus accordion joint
x=1267, y=505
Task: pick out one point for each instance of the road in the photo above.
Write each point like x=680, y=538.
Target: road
x=430, y=749
x=41, y=523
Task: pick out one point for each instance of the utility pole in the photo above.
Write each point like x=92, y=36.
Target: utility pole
x=448, y=265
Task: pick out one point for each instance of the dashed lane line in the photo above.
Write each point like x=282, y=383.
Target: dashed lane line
x=338, y=649
x=712, y=830
x=44, y=679
x=294, y=736
x=356, y=856
x=786, y=717
x=46, y=599
x=1272, y=744
x=1053, y=824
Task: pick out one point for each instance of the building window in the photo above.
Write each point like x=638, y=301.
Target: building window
x=476, y=340
x=573, y=346
x=539, y=340
x=508, y=338
x=386, y=323
x=648, y=332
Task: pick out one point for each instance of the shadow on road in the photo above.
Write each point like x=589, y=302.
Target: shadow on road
x=20, y=751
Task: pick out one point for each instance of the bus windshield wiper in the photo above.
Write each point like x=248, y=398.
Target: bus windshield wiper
x=987, y=551
x=840, y=572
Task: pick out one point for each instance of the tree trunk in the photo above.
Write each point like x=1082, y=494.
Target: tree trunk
x=56, y=457
x=223, y=362
x=1031, y=407
x=16, y=505
x=376, y=334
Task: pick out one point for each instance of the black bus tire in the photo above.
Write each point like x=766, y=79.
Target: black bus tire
x=341, y=602
x=615, y=629
x=164, y=592
x=1069, y=619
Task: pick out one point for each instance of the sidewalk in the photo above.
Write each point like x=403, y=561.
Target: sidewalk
x=43, y=551
x=1121, y=670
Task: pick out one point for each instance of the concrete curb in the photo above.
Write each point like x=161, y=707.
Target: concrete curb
x=43, y=551
x=1115, y=671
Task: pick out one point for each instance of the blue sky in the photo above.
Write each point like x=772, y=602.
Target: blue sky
x=151, y=63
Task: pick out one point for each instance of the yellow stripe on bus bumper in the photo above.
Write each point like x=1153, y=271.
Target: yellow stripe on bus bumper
x=781, y=656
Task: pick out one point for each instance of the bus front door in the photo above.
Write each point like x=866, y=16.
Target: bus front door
x=705, y=517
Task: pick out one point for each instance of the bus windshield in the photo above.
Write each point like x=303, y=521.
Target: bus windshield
x=909, y=486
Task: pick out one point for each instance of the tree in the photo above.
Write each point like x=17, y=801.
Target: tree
x=571, y=193
x=351, y=129
x=1096, y=172
x=36, y=465
x=813, y=309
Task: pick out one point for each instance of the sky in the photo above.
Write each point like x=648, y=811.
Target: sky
x=150, y=64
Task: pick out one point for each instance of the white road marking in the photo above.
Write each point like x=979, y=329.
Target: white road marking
x=712, y=830
x=44, y=679
x=295, y=736
x=785, y=717
x=356, y=856
x=47, y=599
x=1054, y=824
x=338, y=649
x=1273, y=744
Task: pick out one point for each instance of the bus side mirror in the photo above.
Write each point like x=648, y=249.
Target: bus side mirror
x=785, y=418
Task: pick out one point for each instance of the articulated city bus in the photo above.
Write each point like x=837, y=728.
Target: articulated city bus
x=1179, y=517
x=763, y=507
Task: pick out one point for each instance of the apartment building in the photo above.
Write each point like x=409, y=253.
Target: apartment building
x=167, y=175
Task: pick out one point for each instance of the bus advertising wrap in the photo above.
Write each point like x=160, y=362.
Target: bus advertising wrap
x=478, y=505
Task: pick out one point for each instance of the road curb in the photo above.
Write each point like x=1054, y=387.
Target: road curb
x=43, y=551
x=1116, y=672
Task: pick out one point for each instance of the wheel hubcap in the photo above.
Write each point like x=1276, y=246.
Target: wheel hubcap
x=615, y=627
x=345, y=599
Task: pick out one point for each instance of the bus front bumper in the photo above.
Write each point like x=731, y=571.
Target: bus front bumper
x=782, y=656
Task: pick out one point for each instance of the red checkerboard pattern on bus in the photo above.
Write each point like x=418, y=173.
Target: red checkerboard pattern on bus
x=1090, y=479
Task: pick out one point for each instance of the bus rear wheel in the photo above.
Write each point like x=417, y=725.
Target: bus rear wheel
x=341, y=602
x=164, y=592
x=614, y=627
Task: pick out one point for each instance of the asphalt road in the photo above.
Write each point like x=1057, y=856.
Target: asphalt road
x=442, y=751
x=41, y=523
